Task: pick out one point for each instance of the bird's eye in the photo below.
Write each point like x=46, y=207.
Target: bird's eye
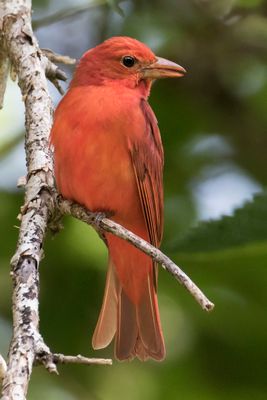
x=128, y=61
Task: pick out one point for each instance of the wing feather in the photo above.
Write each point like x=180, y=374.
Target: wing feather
x=147, y=158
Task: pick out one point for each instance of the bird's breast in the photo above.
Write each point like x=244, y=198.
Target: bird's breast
x=92, y=135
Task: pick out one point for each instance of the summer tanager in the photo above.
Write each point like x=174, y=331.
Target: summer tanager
x=109, y=158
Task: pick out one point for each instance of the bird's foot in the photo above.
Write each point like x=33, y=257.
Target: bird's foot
x=98, y=217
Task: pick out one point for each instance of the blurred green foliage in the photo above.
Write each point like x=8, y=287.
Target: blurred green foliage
x=213, y=124
x=247, y=225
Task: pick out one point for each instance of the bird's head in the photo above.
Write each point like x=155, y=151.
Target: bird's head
x=126, y=60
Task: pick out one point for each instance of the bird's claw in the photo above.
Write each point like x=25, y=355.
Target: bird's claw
x=98, y=217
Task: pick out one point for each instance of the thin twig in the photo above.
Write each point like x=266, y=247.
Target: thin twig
x=66, y=13
x=70, y=208
x=50, y=360
x=52, y=71
x=62, y=359
x=58, y=58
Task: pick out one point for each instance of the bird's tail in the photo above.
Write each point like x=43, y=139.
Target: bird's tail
x=135, y=325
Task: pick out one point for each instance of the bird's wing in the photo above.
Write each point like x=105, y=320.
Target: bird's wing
x=147, y=158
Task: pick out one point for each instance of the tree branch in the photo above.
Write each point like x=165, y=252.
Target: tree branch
x=99, y=221
x=22, y=50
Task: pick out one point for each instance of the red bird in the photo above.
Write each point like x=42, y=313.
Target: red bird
x=109, y=157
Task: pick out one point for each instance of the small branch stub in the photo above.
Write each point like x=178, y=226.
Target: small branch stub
x=50, y=361
x=52, y=71
x=62, y=359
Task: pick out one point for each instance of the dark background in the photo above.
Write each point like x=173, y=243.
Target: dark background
x=213, y=124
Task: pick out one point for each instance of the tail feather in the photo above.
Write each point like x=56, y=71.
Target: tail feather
x=149, y=325
x=136, y=327
x=107, y=321
x=127, y=330
x=138, y=331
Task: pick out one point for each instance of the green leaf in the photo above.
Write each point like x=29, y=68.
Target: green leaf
x=246, y=225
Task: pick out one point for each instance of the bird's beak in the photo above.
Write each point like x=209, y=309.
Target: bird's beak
x=162, y=68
